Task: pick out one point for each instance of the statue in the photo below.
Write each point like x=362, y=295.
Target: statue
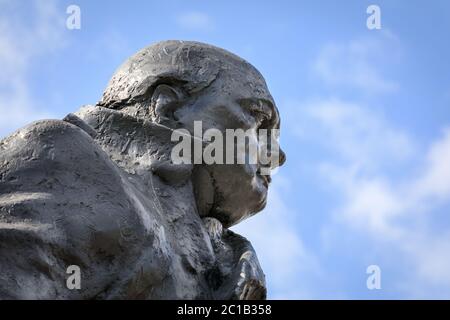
x=98, y=190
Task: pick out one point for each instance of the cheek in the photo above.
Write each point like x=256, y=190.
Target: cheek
x=230, y=116
x=236, y=177
x=246, y=147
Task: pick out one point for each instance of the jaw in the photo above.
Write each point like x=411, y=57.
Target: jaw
x=228, y=193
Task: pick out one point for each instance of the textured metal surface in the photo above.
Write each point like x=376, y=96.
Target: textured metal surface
x=98, y=189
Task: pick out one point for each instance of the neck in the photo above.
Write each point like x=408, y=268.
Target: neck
x=134, y=144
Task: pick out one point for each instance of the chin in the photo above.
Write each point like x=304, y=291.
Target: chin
x=261, y=204
x=237, y=205
x=230, y=214
x=258, y=200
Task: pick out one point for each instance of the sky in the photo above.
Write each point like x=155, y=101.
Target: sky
x=365, y=123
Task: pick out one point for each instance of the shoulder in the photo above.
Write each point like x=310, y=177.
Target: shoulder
x=42, y=133
x=53, y=129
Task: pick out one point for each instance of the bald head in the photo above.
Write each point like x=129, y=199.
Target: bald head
x=191, y=65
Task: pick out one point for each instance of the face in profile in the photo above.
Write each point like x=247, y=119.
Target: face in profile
x=177, y=84
x=234, y=191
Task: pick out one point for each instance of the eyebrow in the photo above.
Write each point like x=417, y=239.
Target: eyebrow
x=267, y=106
x=274, y=119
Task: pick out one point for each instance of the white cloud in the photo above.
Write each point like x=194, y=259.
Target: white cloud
x=195, y=21
x=22, y=41
x=356, y=64
x=435, y=181
x=354, y=133
x=395, y=212
x=391, y=190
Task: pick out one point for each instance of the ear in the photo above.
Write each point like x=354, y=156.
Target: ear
x=164, y=101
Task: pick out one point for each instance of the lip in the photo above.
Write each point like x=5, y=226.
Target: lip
x=266, y=179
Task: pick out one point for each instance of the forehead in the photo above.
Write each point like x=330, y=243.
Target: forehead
x=196, y=64
x=242, y=81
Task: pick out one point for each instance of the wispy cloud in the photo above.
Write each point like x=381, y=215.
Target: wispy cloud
x=357, y=134
x=195, y=20
x=356, y=64
x=22, y=41
x=435, y=181
x=395, y=212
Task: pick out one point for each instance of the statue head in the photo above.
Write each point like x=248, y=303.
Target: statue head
x=177, y=83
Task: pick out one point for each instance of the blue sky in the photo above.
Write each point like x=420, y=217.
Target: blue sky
x=365, y=122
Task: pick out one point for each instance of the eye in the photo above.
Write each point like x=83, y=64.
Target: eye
x=259, y=113
x=259, y=110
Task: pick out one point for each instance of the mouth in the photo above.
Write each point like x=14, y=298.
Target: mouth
x=267, y=179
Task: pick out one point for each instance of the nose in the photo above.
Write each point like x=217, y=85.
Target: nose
x=281, y=160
